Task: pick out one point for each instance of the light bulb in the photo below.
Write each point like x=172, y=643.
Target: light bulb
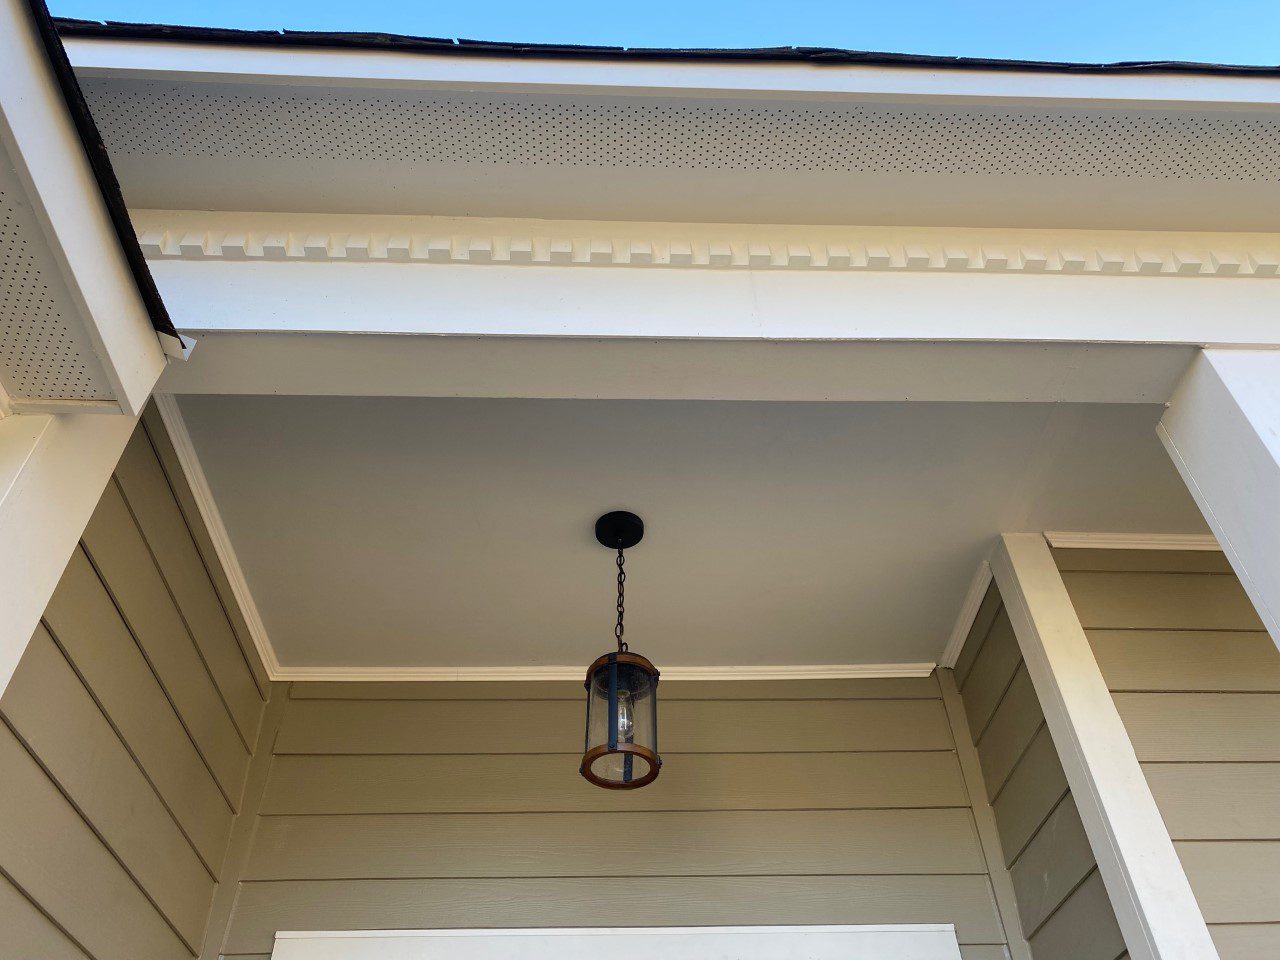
x=626, y=723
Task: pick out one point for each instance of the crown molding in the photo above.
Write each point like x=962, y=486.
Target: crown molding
x=350, y=238
x=1131, y=541
x=167, y=404
x=829, y=671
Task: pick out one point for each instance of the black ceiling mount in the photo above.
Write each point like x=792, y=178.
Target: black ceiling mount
x=619, y=530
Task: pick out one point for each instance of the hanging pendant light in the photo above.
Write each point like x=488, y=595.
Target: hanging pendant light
x=621, y=750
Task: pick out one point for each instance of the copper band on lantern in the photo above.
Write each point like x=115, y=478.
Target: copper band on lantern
x=621, y=749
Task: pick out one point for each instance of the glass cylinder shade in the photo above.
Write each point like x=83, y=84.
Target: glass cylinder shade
x=621, y=750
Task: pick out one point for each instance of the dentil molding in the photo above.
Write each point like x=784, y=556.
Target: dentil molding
x=187, y=235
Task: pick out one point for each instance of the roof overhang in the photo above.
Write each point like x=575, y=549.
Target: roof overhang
x=79, y=315
x=257, y=126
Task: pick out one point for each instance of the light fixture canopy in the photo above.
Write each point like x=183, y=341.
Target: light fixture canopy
x=621, y=748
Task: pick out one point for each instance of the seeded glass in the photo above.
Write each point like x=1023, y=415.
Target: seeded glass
x=628, y=732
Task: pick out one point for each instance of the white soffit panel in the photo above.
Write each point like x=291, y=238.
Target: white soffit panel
x=45, y=351
x=228, y=146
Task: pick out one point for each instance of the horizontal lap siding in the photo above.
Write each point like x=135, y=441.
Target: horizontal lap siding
x=159, y=516
x=550, y=782
x=1197, y=683
x=28, y=933
x=675, y=843
x=123, y=749
x=1063, y=909
x=837, y=802
x=555, y=726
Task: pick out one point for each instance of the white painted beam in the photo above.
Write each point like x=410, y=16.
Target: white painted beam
x=616, y=301
x=53, y=470
x=674, y=369
x=46, y=151
x=1222, y=430
x=793, y=81
x=1149, y=891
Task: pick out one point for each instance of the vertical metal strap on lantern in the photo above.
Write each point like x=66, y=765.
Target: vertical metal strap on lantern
x=613, y=701
x=621, y=745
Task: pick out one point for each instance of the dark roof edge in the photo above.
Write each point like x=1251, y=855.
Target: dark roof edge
x=96, y=153
x=437, y=45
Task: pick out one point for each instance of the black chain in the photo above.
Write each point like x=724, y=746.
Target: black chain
x=622, y=587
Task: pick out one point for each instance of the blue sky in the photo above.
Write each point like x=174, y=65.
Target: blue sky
x=1224, y=31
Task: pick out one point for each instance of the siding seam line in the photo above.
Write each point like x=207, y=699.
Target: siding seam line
x=39, y=908
x=146, y=775
x=1063, y=902
x=1004, y=692
x=97, y=835
x=186, y=625
x=155, y=673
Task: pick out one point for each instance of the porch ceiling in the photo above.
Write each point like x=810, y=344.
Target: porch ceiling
x=444, y=532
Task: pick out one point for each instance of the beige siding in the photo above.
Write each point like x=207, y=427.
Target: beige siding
x=546, y=726
x=549, y=782
x=1082, y=928
x=1063, y=909
x=411, y=805
x=158, y=515
x=28, y=932
x=123, y=750
x=670, y=843
x=1197, y=683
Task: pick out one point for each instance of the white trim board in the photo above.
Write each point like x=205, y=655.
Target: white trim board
x=300, y=296
x=239, y=236
x=591, y=368
x=802, y=671
x=1131, y=541
x=934, y=941
x=1144, y=878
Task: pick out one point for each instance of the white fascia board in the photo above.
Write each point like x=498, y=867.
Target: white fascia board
x=759, y=80
x=49, y=159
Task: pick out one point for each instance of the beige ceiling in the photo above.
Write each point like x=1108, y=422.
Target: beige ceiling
x=427, y=532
